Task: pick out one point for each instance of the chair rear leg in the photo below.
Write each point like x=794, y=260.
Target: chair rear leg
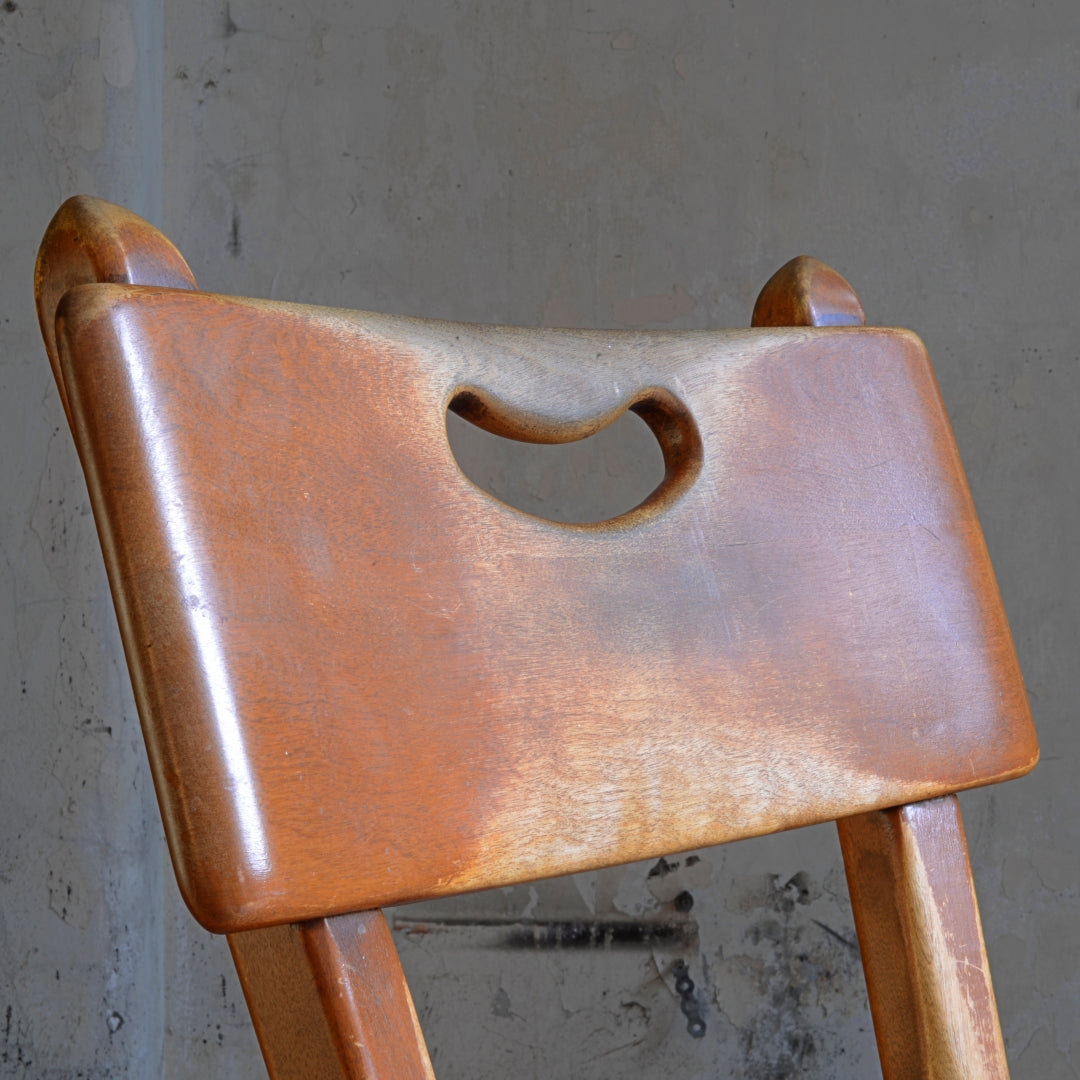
x=329, y=999
x=922, y=946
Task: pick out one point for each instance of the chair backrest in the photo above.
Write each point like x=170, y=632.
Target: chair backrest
x=363, y=680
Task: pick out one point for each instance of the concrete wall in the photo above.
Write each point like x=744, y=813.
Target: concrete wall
x=621, y=163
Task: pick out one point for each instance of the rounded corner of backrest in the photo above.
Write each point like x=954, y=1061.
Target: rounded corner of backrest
x=1026, y=749
x=911, y=339
x=210, y=907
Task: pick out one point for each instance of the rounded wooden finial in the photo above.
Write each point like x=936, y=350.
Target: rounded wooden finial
x=807, y=292
x=88, y=241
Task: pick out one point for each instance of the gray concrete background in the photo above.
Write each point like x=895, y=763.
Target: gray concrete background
x=623, y=163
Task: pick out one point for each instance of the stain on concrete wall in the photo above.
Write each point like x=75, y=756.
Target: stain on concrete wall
x=690, y=965
x=604, y=164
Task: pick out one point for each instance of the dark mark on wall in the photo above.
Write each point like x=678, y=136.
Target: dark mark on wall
x=571, y=934
x=230, y=27
x=643, y=1012
x=561, y=933
x=9, y=7
x=801, y=966
x=852, y=945
x=663, y=867
x=690, y=1006
x=234, y=235
x=801, y=886
x=12, y=1051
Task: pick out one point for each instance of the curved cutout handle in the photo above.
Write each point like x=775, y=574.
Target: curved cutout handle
x=670, y=421
x=90, y=241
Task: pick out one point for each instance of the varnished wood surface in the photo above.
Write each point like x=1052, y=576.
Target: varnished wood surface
x=90, y=241
x=921, y=941
x=908, y=872
x=365, y=681
x=330, y=1002
x=807, y=292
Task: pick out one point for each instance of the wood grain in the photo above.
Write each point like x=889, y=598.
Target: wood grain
x=329, y=1000
x=922, y=946
x=326, y=621
x=362, y=680
x=907, y=867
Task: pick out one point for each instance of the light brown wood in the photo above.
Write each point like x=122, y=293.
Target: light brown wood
x=362, y=680
x=908, y=872
x=922, y=946
x=324, y=618
x=329, y=1000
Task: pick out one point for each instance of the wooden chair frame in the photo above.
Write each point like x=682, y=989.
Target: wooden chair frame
x=363, y=681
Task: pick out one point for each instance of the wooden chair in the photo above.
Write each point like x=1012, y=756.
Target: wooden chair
x=364, y=681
